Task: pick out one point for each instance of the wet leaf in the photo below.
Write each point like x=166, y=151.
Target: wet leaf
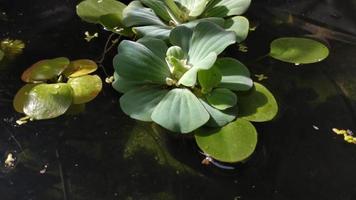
x=298, y=50
x=21, y=97
x=80, y=67
x=258, y=105
x=222, y=98
x=45, y=70
x=85, y=88
x=232, y=143
x=46, y=101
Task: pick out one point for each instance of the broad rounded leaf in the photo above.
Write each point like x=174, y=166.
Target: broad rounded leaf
x=136, y=62
x=157, y=46
x=21, y=97
x=194, y=8
x=113, y=23
x=232, y=143
x=181, y=36
x=85, y=88
x=219, y=118
x=124, y=85
x=46, y=101
x=222, y=98
x=139, y=103
x=158, y=7
x=45, y=70
x=216, y=20
x=80, y=67
x=235, y=75
x=298, y=50
x=207, y=38
x=156, y=31
x=135, y=14
x=92, y=10
x=208, y=79
x=240, y=25
x=257, y=105
x=224, y=8
x=180, y=111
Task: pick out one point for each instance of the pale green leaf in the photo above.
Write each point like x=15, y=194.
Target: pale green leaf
x=298, y=50
x=156, y=31
x=224, y=8
x=157, y=46
x=180, y=111
x=209, y=79
x=216, y=20
x=232, y=143
x=92, y=10
x=176, y=52
x=240, y=25
x=194, y=8
x=181, y=36
x=124, y=85
x=159, y=8
x=139, y=103
x=135, y=14
x=257, y=105
x=218, y=118
x=85, y=88
x=235, y=75
x=222, y=98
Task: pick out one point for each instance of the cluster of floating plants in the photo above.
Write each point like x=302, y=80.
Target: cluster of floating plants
x=54, y=86
x=173, y=74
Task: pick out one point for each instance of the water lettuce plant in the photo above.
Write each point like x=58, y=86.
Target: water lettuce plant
x=186, y=86
x=156, y=18
x=54, y=85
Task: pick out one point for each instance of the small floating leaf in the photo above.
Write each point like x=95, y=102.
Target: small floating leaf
x=257, y=105
x=298, y=50
x=80, y=67
x=45, y=70
x=92, y=10
x=46, y=101
x=21, y=97
x=222, y=98
x=232, y=143
x=85, y=88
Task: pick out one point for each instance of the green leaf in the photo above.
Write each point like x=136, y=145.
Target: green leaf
x=176, y=52
x=80, y=67
x=240, y=25
x=232, y=143
x=92, y=10
x=135, y=14
x=45, y=70
x=159, y=8
x=21, y=97
x=85, y=88
x=139, y=103
x=138, y=63
x=235, y=75
x=46, y=101
x=156, y=31
x=194, y=8
x=181, y=36
x=207, y=38
x=208, y=79
x=216, y=20
x=157, y=46
x=180, y=111
x=222, y=98
x=298, y=50
x=224, y=8
x=218, y=118
x=124, y=85
x=257, y=105
x=1, y=55
x=113, y=23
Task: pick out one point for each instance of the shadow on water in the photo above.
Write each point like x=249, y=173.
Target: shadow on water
x=102, y=154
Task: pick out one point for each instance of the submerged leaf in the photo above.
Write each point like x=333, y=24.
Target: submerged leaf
x=46, y=101
x=45, y=70
x=180, y=111
x=139, y=103
x=80, y=67
x=222, y=98
x=257, y=105
x=298, y=50
x=232, y=143
x=85, y=88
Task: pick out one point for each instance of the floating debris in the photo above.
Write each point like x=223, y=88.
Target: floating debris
x=261, y=77
x=43, y=171
x=348, y=135
x=315, y=127
x=89, y=37
x=109, y=80
x=209, y=160
x=10, y=161
x=243, y=48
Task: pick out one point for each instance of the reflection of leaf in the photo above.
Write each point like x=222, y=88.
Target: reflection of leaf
x=257, y=105
x=298, y=50
x=232, y=143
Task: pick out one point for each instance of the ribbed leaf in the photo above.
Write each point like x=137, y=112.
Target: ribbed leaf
x=224, y=8
x=194, y=8
x=235, y=76
x=207, y=38
x=240, y=25
x=124, y=85
x=180, y=111
x=159, y=8
x=135, y=14
x=208, y=79
x=218, y=118
x=157, y=46
x=138, y=63
x=157, y=31
x=139, y=103
x=181, y=36
x=222, y=98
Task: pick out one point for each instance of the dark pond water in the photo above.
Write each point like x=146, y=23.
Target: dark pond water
x=102, y=154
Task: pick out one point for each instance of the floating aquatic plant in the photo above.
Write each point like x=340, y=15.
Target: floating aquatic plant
x=156, y=18
x=10, y=48
x=185, y=86
x=54, y=85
